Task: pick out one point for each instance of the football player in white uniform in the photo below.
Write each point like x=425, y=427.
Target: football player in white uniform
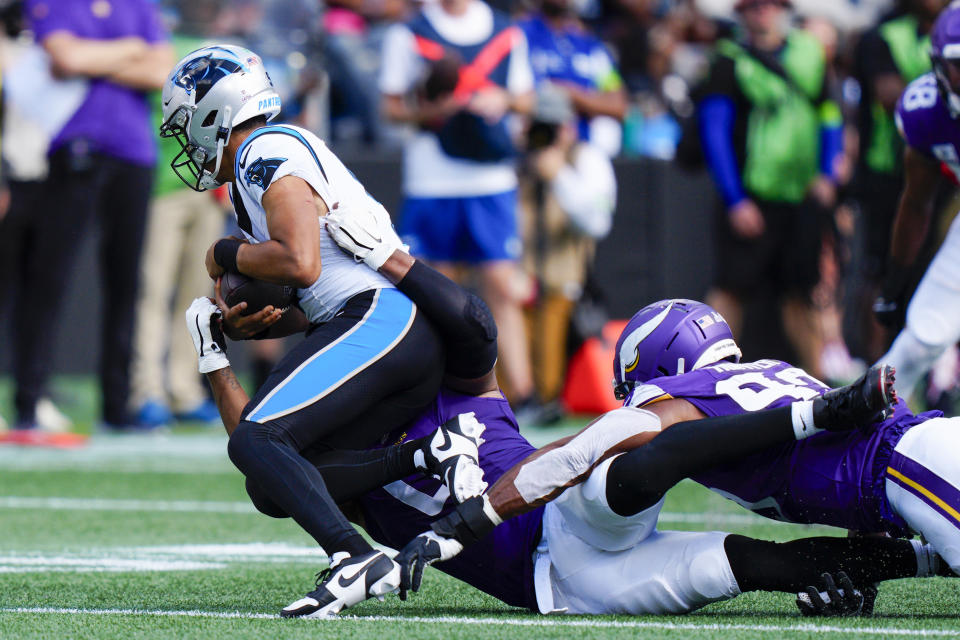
x=370, y=360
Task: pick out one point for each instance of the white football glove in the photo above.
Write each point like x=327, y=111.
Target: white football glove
x=366, y=232
x=203, y=323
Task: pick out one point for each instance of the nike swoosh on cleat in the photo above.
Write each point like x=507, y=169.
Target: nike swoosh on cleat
x=447, y=442
x=300, y=604
x=346, y=583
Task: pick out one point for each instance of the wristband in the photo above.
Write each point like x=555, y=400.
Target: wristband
x=802, y=416
x=468, y=523
x=225, y=254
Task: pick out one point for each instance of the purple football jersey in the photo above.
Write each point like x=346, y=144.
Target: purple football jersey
x=502, y=563
x=831, y=478
x=926, y=125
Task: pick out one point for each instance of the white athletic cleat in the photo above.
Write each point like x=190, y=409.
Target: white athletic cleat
x=346, y=582
x=452, y=454
x=50, y=418
x=367, y=233
x=203, y=323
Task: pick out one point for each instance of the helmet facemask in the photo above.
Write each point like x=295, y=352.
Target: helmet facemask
x=190, y=163
x=941, y=70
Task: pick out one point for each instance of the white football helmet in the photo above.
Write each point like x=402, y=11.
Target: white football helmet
x=211, y=91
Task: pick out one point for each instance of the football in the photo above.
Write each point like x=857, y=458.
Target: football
x=237, y=288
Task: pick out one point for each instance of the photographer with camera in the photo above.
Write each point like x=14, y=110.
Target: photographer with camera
x=567, y=194
x=455, y=73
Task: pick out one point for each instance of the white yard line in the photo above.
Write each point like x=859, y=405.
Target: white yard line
x=69, y=564
x=512, y=621
x=133, y=453
x=122, y=504
x=188, y=557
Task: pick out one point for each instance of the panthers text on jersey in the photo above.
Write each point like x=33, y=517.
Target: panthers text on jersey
x=831, y=478
x=925, y=124
x=502, y=563
x=276, y=151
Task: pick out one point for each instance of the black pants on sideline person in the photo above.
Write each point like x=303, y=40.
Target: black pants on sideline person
x=82, y=186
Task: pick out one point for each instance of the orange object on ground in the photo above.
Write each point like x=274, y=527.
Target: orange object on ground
x=588, y=387
x=37, y=438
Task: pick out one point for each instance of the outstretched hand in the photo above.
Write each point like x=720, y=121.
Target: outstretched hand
x=829, y=599
x=237, y=326
x=420, y=553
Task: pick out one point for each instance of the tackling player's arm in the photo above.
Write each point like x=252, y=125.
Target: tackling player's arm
x=203, y=324
x=506, y=499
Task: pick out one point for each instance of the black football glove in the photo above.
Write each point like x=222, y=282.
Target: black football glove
x=420, y=553
x=890, y=307
x=827, y=599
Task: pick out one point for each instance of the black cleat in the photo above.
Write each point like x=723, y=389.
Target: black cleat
x=346, y=582
x=870, y=399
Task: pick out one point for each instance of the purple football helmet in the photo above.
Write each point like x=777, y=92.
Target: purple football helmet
x=945, y=52
x=668, y=338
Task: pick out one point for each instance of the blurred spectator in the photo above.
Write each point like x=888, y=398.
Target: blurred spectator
x=836, y=364
x=455, y=71
x=664, y=57
x=888, y=58
x=24, y=166
x=846, y=15
x=164, y=381
x=770, y=134
x=354, y=40
x=567, y=194
x=100, y=165
x=565, y=53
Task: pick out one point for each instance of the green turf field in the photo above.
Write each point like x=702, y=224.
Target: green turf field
x=152, y=536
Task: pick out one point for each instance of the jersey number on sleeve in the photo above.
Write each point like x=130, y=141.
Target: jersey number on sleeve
x=755, y=390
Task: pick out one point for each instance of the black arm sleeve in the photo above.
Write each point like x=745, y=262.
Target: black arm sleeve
x=462, y=319
x=638, y=479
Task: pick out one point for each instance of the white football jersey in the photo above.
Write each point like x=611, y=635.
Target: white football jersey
x=275, y=151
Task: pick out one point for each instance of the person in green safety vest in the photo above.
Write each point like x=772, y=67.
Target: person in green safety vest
x=770, y=136
x=887, y=59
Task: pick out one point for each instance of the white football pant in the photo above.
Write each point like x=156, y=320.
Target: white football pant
x=591, y=560
x=923, y=484
x=933, y=317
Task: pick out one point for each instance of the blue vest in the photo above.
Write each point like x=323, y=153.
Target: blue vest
x=466, y=135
